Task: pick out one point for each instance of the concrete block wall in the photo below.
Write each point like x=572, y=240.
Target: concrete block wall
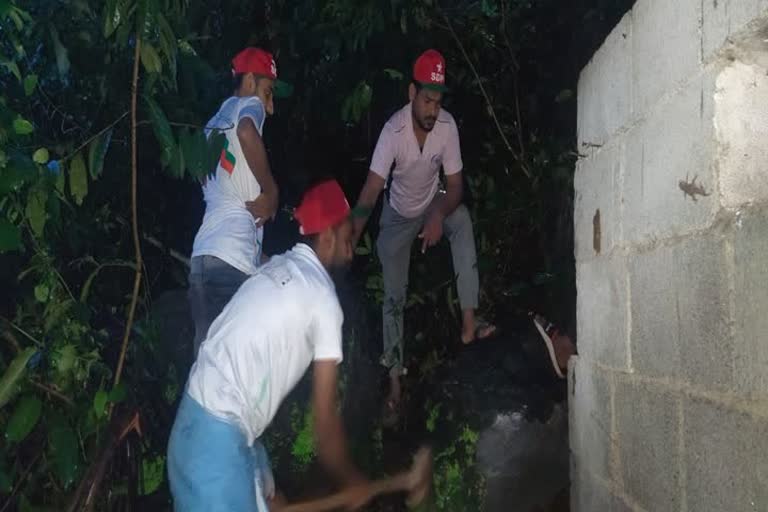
x=669, y=393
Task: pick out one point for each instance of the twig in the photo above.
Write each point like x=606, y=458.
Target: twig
x=52, y=392
x=157, y=243
x=491, y=110
x=21, y=481
x=134, y=215
x=99, y=133
x=22, y=331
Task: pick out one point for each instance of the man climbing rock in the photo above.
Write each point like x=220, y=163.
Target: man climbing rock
x=240, y=193
x=415, y=144
x=283, y=318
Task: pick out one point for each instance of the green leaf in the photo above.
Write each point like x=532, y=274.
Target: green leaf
x=42, y=292
x=13, y=68
x=41, y=156
x=393, y=74
x=35, y=210
x=100, y=403
x=162, y=129
x=112, y=17
x=62, y=55
x=30, y=84
x=23, y=419
x=9, y=383
x=19, y=169
x=97, y=151
x=150, y=59
x=118, y=394
x=22, y=127
x=63, y=447
x=78, y=179
x=10, y=236
x=64, y=358
x=153, y=474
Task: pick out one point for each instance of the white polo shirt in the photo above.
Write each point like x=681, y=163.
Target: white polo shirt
x=416, y=174
x=279, y=321
x=229, y=231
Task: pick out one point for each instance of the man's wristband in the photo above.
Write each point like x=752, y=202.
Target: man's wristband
x=360, y=212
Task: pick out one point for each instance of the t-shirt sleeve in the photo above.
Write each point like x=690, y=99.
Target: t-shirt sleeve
x=253, y=109
x=452, y=157
x=326, y=335
x=384, y=154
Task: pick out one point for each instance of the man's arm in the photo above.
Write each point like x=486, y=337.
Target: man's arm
x=329, y=431
x=374, y=184
x=256, y=156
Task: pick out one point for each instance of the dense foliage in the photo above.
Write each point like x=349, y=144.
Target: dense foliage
x=77, y=298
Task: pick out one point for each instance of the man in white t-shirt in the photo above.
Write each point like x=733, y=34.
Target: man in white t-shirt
x=282, y=319
x=240, y=193
x=416, y=142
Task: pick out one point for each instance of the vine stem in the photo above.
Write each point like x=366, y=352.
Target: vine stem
x=134, y=216
x=491, y=110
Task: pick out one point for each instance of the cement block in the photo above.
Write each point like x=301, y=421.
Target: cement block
x=605, y=87
x=596, y=202
x=741, y=126
x=675, y=144
x=750, y=296
x=590, y=421
x=680, y=313
x=601, y=306
x=726, y=19
x=648, y=428
x=590, y=495
x=666, y=47
x=725, y=457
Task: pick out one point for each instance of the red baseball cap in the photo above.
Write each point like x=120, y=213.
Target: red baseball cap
x=323, y=206
x=262, y=63
x=429, y=70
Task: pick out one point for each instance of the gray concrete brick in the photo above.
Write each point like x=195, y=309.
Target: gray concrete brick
x=680, y=313
x=675, y=143
x=750, y=296
x=605, y=87
x=590, y=495
x=647, y=422
x=725, y=457
x=666, y=47
x=590, y=421
x=601, y=306
x=741, y=122
x=597, y=188
x=725, y=19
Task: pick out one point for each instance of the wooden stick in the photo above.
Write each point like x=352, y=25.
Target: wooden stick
x=416, y=479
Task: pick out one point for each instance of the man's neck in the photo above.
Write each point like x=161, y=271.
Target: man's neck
x=419, y=132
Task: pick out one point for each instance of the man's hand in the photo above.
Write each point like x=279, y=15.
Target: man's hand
x=432, y=231
x=263, y=208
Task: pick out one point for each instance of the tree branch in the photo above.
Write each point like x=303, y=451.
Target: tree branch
x=134, y=215
x=491, y=110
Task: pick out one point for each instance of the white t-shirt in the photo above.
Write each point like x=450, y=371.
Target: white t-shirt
x=228, y=231
x=416, y=175
x=279, y=321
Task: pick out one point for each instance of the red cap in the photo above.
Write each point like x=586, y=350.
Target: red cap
x=322, y=206
x=429, y=70
x=255, y=60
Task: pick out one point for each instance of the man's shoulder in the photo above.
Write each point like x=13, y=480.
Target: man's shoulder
x=446, y=118
x=398, y=121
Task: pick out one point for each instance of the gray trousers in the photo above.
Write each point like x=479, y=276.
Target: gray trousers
x=396, y=236
x=212, y=283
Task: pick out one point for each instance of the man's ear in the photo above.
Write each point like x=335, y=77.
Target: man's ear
x=411, y=92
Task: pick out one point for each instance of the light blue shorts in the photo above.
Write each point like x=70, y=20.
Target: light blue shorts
x=211, y=468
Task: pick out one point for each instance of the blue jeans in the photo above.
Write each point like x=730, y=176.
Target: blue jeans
x=212, y=283
x=211, y=468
